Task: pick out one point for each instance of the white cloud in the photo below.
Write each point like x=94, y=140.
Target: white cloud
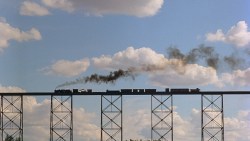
x=135, y=122
x=139, y=8
x=236, y=128
x=10, y=89
x=161, y=70
x=193, y=75
x=37, y=122
x=238, y=35
x=7, y=33
x=236, y=78
x=85, y=120
x=67, y=68
x=66, y=5
x=131, y=57
x=29, y=8
x=218, y=36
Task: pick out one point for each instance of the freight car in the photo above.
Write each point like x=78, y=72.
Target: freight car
x=183, y=90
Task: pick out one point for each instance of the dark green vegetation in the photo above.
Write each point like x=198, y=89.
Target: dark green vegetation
x=141, y=140
x=10, y=138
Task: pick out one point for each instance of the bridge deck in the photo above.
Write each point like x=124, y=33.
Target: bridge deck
x=132, y=93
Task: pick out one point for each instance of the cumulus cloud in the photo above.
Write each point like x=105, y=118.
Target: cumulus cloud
x=10, y=89
x=137, y=121
x=37, y=119
x=237, y=78
x=193, y=75
x=237, y=35
x=140, y=120
x=130, y=58
x=161, y=70
x=29, y=8
x=236, y=127
x=139, y=8
x=67, y=68
x=66, y=5
x=7, y=33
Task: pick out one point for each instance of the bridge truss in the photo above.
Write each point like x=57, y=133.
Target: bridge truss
x=61, y=118
x=11, y=117
x=162, y=113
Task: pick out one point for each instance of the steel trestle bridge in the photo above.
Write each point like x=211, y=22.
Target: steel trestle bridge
x=61, y=113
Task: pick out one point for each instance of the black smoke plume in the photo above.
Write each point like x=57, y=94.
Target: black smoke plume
x=233, y=61
x=206, y=54
x=96, y=78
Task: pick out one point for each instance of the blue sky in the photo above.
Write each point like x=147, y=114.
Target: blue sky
x=44, y=43
x=76, y=35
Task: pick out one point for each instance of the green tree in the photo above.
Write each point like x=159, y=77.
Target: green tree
x=10, y=138
x=18, y=139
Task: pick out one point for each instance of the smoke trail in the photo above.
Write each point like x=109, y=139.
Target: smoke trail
x=233, y=61
x=208, y=55
x=247, y=51
x=96, y=78
x=201, y=54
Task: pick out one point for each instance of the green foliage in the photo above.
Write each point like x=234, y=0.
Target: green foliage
x=141, y=140
x=10, y=138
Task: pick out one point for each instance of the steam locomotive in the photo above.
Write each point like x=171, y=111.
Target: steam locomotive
x=73, y=91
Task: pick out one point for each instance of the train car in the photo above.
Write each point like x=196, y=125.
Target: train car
x=182, y=90
x=63, y=91
x=126, y=91
x=167, y=90
x=85, y=90
x=150, y=91
x=138, y=91
x=197, y=90
x=112, y=92
x=75, y=91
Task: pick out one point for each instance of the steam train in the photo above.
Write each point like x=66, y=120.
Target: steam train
x=126, y=91
x=73, y=91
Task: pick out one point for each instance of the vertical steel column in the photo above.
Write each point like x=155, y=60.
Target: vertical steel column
x=12, y=117
x=212, y=118
x=162, y=117
x=61, y=118
x=1, y=129
x=111, y=118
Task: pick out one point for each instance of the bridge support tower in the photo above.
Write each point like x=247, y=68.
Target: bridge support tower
x=111, y=117
x=212, y=122
x=11, y=117
x=162, y=117
x=61, y=118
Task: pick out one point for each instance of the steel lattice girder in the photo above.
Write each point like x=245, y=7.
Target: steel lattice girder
x=11, y=117
x=212, y=118
x=111, y=118
x=162, y=117
x=61, y=118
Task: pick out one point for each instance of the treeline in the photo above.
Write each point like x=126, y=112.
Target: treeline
x=141, y=140
x=10, y=138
